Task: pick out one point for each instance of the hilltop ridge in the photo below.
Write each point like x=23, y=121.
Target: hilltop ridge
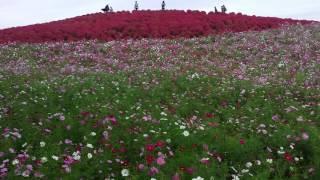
x=141, y=24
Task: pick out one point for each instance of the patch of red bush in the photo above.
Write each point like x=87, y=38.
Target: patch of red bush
x=141, y=24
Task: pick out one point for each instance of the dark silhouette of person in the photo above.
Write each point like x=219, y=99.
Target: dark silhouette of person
x=136, y=6
x=215, y=10
x=163, y=6
x=223, y=9
x=106, y=9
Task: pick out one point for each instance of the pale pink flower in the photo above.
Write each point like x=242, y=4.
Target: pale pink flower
x=153, y=171
x=111, y=119
x=62, y=118
x=68, y=160
x=275, y=117
x=66, y=168
x=38, y=174
x=175, y=177
x=205, y=160
x=141, y=167
x=305, y=136
x=161, y=161
x=67, y=141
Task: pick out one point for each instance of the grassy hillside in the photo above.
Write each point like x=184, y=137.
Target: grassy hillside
x=238, y=105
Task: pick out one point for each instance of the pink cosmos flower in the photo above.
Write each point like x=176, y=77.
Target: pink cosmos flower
x=210, y=115
x=111, y=119
x=141, y=167
x=149, y=159
x=62, y=118
x=85, y=113
x=153, y=171
x=147, y=118
x=275, y=117
x=38, y=174
x=161, y=161
x=22, y=157
x=150, y=147
x=3, y=172
x=305, y=136
x=175, y=177
x=29, y=167
x=288, y=157
x=67, y=141
x=68, y=160
x=242, y=141
x=26, y=173
x=83, y=122
x=189, y=170
x=66, y=168
x=160, y=143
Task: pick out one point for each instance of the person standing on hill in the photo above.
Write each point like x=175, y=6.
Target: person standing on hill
x=106, y=9
x=163, y=6
x=215, y=10
x=223, y=9
x=136, y=6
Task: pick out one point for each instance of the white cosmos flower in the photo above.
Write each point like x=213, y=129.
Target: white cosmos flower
x=42, y=144
x=244, y=171
x=281, y=64
x=163, y=114
x=93, y=134
x=90, y=146
x=258, y=162
x=76, y=156
x=300, y=119
x=195, y=75
x=186, y=133
x=44, y=159
x=89, y=155
x=55, y=157
x=235, y=177
x=198, y=178
x=248, y=164
x=15, y=162
x=26, y=173
x=269, y=161
x=125, y=172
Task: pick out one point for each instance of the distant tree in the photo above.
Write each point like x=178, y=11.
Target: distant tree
x=215, y=9
x=223, y=9
x=136, y=6
x=163, y=6
x=111, y=9
x=106, y=9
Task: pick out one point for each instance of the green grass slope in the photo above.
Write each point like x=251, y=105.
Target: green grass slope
x=242, y=105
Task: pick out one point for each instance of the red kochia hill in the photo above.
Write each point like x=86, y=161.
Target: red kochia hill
x=140, y=24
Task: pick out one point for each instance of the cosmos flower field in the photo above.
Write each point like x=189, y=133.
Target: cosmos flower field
x=230, y=106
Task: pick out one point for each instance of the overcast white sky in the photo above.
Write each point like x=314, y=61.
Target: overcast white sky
x=25, y=12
